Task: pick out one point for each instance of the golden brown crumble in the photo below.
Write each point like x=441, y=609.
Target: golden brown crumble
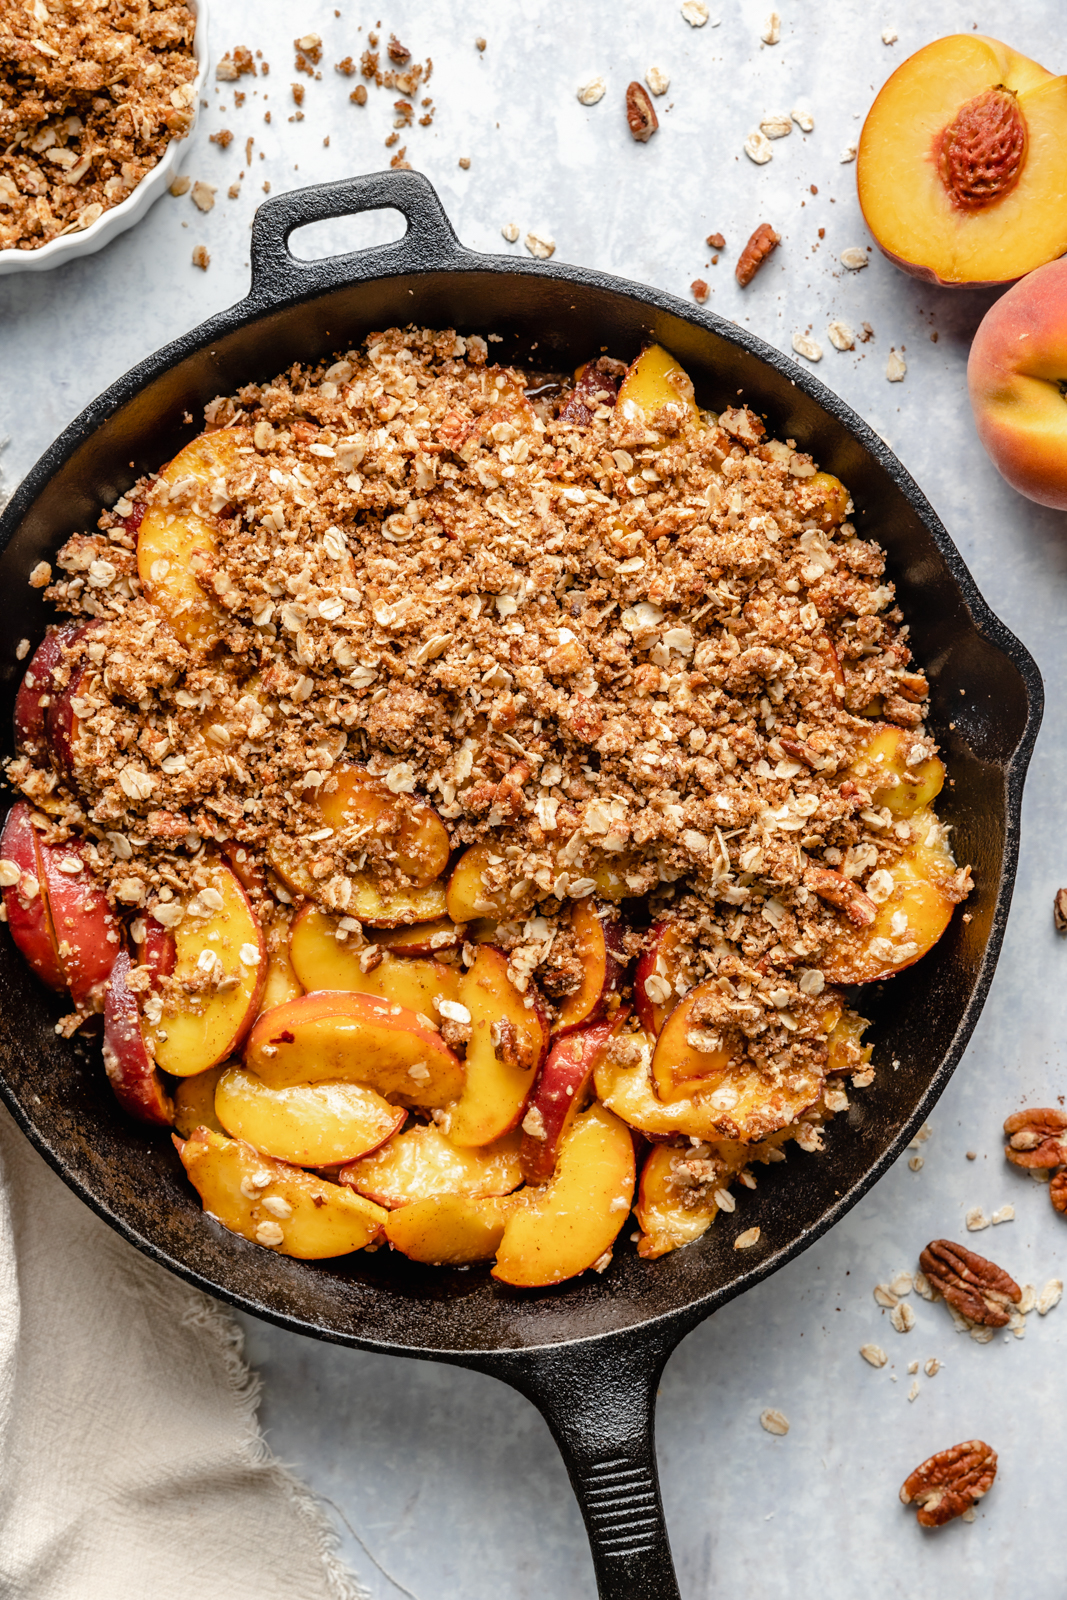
x=599, y=644
x=90, y=97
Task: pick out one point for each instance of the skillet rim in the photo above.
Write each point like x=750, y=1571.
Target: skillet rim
x=430, y=247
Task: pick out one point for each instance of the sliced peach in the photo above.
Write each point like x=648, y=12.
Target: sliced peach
x=575, y=1221
x=664, y=974
x=599, y=942
x=846, y=1052
x=822, y=498
x=561, y=1091
x=173, y=544
x=624, y=1083
x=422, y=1161
x=472, y=893
x=355, y=1038
x=509, y=1040
x=194, y=1102
x=450, y=1230
x=87, y=934
x=656, y=395
x=290, y=1211
x=962, y=163
x=307, y=1124
x=24, y=900
x=322, y=961
x=671, y=1214
x=912, y=916
x=282, y=983
x=220, y=970
x=421, y=939
x=381, y=907
x=155, y=948
x=37, y=690
x=130, y=1068
x=882, y=768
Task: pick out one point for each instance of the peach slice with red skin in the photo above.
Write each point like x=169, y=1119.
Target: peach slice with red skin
x=130, y=1068
x=422, y=1161
x=289, y=1210
x=920, y=895
x=575, y=1220
x=1016, y=376
x=220, y=970
x=172, y=545
x=600, y=950
x=322, y=961
x=561, y=1091
x=962, y=163
x=666, y=962
x=508, y=1042
x=87, y=934
x=421, y=939
x=450, y=1230
x=156, y=949
x=305, y=1124
x=24, y=899
x=355, y=1038
x=37, y=690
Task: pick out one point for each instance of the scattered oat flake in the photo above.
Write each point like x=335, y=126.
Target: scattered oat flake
x=895, y=367
x=695, y=13
x=776, y=125
x=913, y=1367
x=976, y=1220
x=592, y=92
x=539, y=246
x=204, y=194
x=932, y=1367
x=884, y=1296
x=848, y=154
x=806, y=346
x=657, y=80
x=1005, y=1214
x=510, y=231
x=923, y=1287
x=841, y=336
x=889, y=36
x=1050, y=1296
x=902, y=1283
x=803, y=118
x=874, y=1354
x=201, y=258
x=774, y=1422
x=916, y=1164
x=181, y=185
x=902, y=1317
x=41, y=575
x=746, y=1240
x=758, y=148
x=913, y=1392
x=854, y=257
x=771, y=31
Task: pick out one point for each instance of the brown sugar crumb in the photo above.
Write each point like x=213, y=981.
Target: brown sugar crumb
x=464, y=162
x=393, y=138
x=399, y=160
x=308, y=53
x=298, y=93
x=359, y=95
x=224, y=138
x=399, y=53
x=234, y=191
x=200, y=257
x=75, y=138
x=347, y=67
x=715, y=241
x=235, y=64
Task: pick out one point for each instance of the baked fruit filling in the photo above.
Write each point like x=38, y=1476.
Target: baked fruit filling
x=463, y=790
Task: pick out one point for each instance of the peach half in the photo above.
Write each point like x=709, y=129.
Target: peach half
x=962, y=163
x=1017, y=376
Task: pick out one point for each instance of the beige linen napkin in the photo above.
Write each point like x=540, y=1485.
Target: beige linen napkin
x=131, y=1465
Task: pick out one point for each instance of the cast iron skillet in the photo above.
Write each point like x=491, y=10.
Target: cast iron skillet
x=590, y=1353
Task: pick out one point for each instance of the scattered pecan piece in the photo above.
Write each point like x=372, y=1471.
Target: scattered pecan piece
x=949, y=1483
x=640, y=113
x=755, y=253
x=699, y=290
x=800, y=751
x=1037, y=1137
x=1057, y=1193
x=597, y=386
x=841, y=892
x=977, y=1288
x=1059, y=911
x=715, y=241
x=398, y=52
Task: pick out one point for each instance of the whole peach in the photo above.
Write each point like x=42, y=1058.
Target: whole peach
x=1017, y=376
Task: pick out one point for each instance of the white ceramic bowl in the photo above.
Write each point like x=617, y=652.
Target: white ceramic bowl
x=116, y=220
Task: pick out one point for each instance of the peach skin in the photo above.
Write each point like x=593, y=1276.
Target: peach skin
x=1017, y=376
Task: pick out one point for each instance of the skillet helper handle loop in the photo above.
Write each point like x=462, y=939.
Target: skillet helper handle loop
x=278, y=275
x=599, y=1399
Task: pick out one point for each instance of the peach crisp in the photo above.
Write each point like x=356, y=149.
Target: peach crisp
x=470, y=797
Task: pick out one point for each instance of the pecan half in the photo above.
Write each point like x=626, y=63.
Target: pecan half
x=597, y=386
x=1059, y=911
x=640, y=113
x=977, y=1288
x=1057, y=1193
x=842, y=893
x=755, y=253
x=1037, y=1138
x=948, y=1484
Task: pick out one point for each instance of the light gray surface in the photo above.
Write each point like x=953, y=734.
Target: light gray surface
x=451, y=1480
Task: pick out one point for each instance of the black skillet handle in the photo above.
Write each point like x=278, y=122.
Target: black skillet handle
x=429, y=241
x=599, y=1398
